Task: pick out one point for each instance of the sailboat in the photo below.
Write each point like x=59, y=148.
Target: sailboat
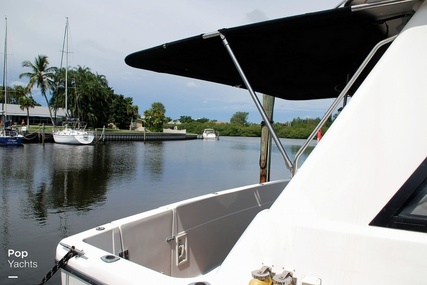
x=9, y=135
x=74, y=131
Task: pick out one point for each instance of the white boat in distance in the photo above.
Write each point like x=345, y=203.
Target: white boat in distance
x=354, y=213
x=74, y=132
x=210, y=134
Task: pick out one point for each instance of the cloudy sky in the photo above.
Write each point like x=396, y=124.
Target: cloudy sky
x=104, y=32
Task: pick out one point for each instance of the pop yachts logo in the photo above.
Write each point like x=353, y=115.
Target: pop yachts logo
x=18, y=259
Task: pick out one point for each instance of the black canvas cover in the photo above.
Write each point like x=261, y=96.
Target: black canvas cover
x=310, y=56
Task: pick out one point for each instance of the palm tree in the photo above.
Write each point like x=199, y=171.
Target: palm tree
x=90, y=97
x=26, y=102
x=131, y=111
x=58, y=92
x=42, y=76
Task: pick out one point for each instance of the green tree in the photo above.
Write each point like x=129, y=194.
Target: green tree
x=89, y=97
x=123, y=112
x=92, y=96
x=13, y=94
x=240, y=118
x=42, y=76
x=58, y=91
x=203, y=120
x=185, y=119
x=155, y=117
x=131, y=111
x=27, y=102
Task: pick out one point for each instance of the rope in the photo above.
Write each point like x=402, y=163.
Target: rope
x=30, y=136
x=60, y=264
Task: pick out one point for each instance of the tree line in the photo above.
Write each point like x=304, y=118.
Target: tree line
x=89, y=96
x=239, y=126
x=155, y=120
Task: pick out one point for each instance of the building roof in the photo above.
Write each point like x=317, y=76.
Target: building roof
x=37, y=111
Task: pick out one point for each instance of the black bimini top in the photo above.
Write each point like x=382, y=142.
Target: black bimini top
x=297, y=58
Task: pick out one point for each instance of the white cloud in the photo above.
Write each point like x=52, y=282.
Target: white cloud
x=256, y=16
x=192, y=84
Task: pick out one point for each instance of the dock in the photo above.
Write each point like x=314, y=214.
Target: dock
x=100, y=137
x=120, y=136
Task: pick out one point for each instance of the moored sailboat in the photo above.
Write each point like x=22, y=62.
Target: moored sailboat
x=9, y=134
x=74, y=131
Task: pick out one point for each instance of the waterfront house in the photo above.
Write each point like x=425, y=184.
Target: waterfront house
x=38, y=115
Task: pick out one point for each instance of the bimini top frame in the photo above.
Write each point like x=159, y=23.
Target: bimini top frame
x=302, y=57
x=293, y=167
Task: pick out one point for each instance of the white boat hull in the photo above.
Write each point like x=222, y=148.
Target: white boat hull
x=210, y=137
x=210, y=134
x=73, y=137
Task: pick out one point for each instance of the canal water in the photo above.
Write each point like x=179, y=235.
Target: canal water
x=51, y=191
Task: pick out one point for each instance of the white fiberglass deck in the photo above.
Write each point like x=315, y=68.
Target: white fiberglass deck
x=185, y=240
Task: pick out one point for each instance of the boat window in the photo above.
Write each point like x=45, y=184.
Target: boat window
x=407, y=210
x=418, y=205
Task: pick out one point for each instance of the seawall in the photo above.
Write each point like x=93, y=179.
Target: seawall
x=115, y=136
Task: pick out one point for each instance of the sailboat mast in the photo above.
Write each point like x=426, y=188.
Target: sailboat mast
x=4, y=110
x=66, y=71
x=65, y=50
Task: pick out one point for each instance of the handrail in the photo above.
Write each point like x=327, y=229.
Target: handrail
x=361, y=7
x=261, y=110
x=338, y=100
x=365, y=6
x=293, y=166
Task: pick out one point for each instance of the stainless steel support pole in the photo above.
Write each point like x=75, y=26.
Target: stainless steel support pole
x=339, y=98
x=367, y=6
x=258, y=105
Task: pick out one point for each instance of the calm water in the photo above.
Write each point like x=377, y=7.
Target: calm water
x=53, y=191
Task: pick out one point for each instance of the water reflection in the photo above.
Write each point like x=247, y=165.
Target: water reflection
x=35, y=206
x=5, y=221
x=74, y=180
x=293, y=149
x=56, y=177
x=154, y=160
x=59, y=178
x=116, y=161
